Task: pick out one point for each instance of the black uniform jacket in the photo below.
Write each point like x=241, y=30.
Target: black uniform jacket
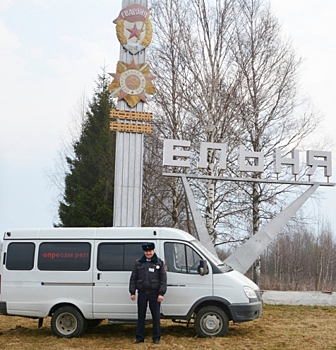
x=148, y=276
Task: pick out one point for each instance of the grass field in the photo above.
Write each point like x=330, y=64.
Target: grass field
x=280, y=327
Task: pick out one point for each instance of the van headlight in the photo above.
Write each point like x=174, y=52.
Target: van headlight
x=250, y=293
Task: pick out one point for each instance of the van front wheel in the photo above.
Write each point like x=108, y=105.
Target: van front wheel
x=67, y=322
x=211, y=321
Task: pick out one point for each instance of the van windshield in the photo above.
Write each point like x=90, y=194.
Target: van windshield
x=214, y=259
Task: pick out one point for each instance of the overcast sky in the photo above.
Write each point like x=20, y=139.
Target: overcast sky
x=50, y=54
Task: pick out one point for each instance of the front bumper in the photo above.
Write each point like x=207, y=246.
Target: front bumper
x=245, y=312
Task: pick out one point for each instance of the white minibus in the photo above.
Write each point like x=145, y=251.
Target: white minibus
x=80, y=276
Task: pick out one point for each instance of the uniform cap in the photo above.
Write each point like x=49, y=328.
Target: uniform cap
x=148, y=246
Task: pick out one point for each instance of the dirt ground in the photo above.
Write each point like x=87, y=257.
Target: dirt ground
x=280, y=327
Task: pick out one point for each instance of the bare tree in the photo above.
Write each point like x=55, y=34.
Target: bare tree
x=225, y=75
x=67, y=140
x=159, y=192
x=325, y=258
x=302, y=258
x=170, y=119
x=268, y=110
x=196, y=87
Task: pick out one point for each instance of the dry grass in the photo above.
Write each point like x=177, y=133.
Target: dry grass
x=280, y=327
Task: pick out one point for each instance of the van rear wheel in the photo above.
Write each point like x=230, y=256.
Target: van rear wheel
x=68, y=322
x=211, y=321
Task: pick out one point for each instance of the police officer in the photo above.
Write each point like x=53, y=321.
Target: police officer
x=150, y=279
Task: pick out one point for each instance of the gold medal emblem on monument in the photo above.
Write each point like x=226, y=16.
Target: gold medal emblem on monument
x=134, y=29
x=132, y=82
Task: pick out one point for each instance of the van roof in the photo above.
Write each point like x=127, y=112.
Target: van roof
x=143, y=233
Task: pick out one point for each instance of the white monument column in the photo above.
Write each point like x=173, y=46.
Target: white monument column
x=131, y=86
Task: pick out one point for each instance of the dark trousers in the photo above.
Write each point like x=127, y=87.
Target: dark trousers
x=154, y=306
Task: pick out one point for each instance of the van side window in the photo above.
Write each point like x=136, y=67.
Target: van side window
x=181, y=258
x=118, y=256
x=64, y=256
x=20, y=256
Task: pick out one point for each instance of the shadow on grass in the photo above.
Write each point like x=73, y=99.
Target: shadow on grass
x=168, y=328
x=127, y=331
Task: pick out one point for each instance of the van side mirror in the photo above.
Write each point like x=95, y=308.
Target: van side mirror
x=203, y=267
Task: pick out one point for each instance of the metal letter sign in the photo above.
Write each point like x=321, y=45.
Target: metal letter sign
x=176, y=153
x=294, y=161
x=170, y=153
x=319, y=159
x=205, y=146
x=258, y=158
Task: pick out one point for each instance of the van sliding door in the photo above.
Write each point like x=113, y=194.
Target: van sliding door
x=112, y=271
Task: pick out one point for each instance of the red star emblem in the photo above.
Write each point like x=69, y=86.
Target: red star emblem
x=135, y=32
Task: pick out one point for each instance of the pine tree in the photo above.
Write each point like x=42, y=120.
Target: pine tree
x=89, y=183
